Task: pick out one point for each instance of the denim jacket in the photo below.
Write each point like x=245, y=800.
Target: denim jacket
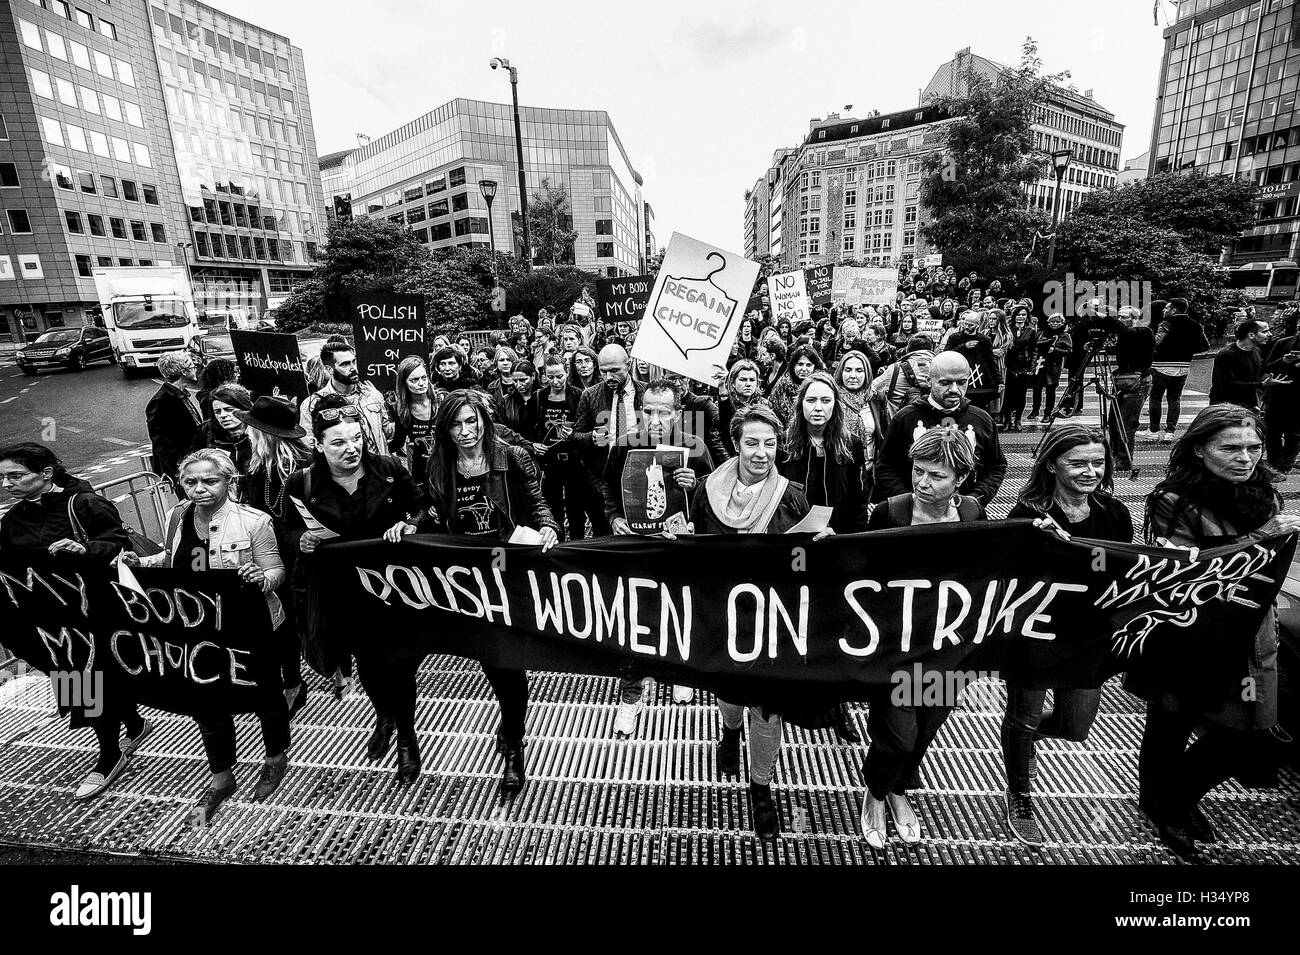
x=237, y=534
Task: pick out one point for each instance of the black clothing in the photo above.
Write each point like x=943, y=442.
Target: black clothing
x=831, y=483
x=174, y=423
x=894, y=464
x=30, y=527
x=1237, y=376
x=1108, y=519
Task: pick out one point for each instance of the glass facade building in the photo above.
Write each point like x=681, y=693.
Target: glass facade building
x=425, y=175
x=1226, y=103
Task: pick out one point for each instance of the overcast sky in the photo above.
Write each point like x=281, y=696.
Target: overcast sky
x=701, y=93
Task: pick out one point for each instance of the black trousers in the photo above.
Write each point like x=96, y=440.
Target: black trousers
x=1282, y=430
x=900, y=736
x=108, y=732
x=1172, y=776
x=564, y=485
x=218, y=732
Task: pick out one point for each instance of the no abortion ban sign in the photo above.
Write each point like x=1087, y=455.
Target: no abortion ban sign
x=694, y=311
x=386, y=328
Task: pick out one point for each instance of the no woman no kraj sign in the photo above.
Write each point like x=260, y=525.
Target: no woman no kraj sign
x=695, y=308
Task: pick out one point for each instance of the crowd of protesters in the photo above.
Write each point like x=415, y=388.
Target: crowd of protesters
x=888, y=415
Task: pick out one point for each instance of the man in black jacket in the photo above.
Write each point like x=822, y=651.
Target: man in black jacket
x=173, y=415
x=946, y=404
x=1239, y=367
x=1282, y=403
x=607, y=412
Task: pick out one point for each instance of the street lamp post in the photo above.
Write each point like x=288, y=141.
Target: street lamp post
x=519, y=157
x=1060, y=162
x=489, y=189
x=185, y=254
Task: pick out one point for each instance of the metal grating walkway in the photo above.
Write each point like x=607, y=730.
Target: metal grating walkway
x=655, y=799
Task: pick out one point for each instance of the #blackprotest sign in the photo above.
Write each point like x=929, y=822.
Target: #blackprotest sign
x=386, y=328
x=623, y=300
x=864, y=286
x=652, y=500
x=789, y=297
x=269, y=363
x=785, y=622
x=819, y=280
x=694, y=311
x=186, y=642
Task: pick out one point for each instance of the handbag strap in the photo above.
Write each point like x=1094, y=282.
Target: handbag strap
x=78, y=531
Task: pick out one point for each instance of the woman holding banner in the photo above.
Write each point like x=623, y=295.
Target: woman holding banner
x=900, y=724
x=481, y=487
x=57, y=514
x=212, y=531
x=1216, y=492
x=747, y=495
x=1068, y=491
x=351, y=494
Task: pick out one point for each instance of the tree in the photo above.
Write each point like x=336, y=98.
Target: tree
x=360, y=255
x=550, y=225
x=457, y=286
x=1164, y=234
x=974, y=191
x=553, y=287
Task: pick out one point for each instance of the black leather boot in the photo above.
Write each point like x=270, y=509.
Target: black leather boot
x=729, y=752
x=513, y=776
x=408, y=760
x=380, y=739
x=845, y=731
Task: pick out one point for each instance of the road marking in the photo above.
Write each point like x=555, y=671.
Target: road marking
x=7, y=400
x=24, y=391
x=125, y=444
x=68, y=427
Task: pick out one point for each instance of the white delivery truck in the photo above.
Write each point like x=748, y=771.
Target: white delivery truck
x=148, y=311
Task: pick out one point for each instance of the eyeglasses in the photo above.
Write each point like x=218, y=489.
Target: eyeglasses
x=334, y=414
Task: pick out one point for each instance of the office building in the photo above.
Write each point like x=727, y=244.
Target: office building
x=1226, y=103
x=1135, y=169
x=336, y=177
x=1064, y=120
x=650, y=247
x=149, y=134
x=426, y=175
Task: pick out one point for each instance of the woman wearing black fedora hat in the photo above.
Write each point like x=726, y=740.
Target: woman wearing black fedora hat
x=276, y=451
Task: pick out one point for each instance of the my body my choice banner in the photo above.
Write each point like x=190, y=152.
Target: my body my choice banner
x=776, y=619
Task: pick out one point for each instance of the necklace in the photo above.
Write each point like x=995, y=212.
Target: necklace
x=275, y=505
x=473, y=466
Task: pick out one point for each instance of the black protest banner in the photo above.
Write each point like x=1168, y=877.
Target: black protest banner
x=188, y=642
x=783, y=620
x=269, y=363
x=386, y=328
x=623, y=300
x=819, y=279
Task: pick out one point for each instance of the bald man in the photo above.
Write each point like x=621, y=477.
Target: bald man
x=607, y=413
x=946, y=404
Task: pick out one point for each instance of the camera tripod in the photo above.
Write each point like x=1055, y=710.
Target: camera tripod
x=1095, y=371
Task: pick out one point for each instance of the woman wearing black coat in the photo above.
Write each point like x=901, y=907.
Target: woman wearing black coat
x=57, y=514
x=481, y=487
x=356, y=496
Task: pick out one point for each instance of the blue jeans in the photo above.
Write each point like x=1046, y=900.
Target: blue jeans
x=1023, y=722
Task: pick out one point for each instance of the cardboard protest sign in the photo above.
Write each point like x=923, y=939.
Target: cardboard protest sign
x=789, y=297
x=695, y=308
x=623, y=300
x=181, y=640
x=652, y=501
x=818, y=281
x=925, y=325
x=386, y=328
x=269, y=363
x=858, y=286
x=933, y=260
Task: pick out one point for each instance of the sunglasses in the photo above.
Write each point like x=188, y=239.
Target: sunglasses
x=334, y=414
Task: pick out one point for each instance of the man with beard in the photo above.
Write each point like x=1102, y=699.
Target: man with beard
x=340, y=360
x=946, y=404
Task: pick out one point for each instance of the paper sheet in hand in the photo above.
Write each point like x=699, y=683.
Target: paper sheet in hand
x=525, y=535
x=814, y=522
x=314, y=527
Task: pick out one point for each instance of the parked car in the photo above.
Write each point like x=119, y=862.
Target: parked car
x=74, y=348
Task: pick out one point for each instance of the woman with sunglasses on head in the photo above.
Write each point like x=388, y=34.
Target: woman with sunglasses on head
x=481, y=487
x=901, y=731
x=210, y=529
x=57, y=514
x=1216, y=492
x=358, y=496
x=1069, y=492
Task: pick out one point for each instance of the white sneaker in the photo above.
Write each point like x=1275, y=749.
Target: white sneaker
x=1167, y=437
x=625, y=719
x=1146, y=434
x=683, y=694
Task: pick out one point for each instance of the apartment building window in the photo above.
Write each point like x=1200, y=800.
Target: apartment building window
x=9, y=175
x=159, y=233
x=889, y=240
x=107, y=29
x=73, y=219
x=62, y=176
x=816, y=178
x=150, y=194
x=816, y=204
x=31, y=34
x=435, y=185
x=129, y=192
x=851, y=174
x=889, y=217
x=803, y=177
x=460, y=202
x=604, y=250
x=849, y=240
x=815, y=225
x=814, y=246
x=104, y=261
x=84, y=19
x=456, y=177
x=604, y=227
x=850, y=197
x=803, y=226
x=803, y=247
x=108, y=185
x=889, y=193
x=201, y=244
x=86, y=180
x=96, y=223
x=891, y=169
x=909, y=238
x=117, y=227
x=126, y=263
x=19, y=224
x=440, y=231
x=83, y=266
x=850, y=220
x=137, y=231
x=415, y=214
x=232, y=247
x=909, y=215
